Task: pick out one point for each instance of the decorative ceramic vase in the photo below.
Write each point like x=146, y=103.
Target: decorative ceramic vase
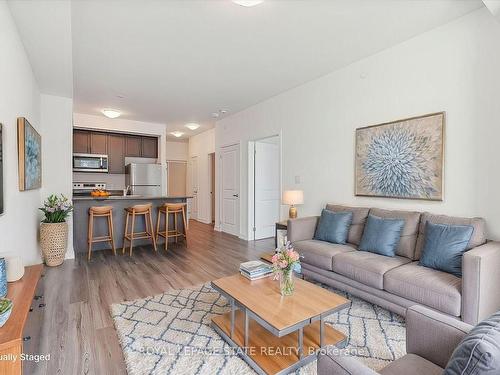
x=53, y=242
x=15, y=268
x=286, y=283
x=3, y=278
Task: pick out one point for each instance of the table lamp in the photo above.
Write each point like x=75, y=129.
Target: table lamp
x=292, y=198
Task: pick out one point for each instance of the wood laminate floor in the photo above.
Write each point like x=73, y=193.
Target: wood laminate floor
x=73, y=323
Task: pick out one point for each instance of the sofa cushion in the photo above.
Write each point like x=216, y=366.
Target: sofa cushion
x=381, y=236
x=367, y=268
x=406, y=247
x=359, y=215
x=479, y=351
x=478, y=235
x=436, y=289
x=444, y=247
x=411, y=364
x=333, y=227
x=320, y=253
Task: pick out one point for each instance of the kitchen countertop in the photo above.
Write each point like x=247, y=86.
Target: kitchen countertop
x=128, y=197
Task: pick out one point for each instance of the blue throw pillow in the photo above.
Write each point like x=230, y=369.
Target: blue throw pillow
x=444, y=247
x=333, y=226
x=381, y=235
x=479, y=351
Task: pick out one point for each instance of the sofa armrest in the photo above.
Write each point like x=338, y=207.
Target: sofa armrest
x=302, y=228
x=329, y=364
x=432, y=335
x=480, y=281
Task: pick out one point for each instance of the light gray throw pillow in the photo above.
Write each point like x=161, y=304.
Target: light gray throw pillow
x=479, y=351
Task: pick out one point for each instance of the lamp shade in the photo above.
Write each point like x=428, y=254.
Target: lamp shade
x=293, y=197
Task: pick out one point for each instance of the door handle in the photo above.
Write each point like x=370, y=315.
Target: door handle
x=235, y=195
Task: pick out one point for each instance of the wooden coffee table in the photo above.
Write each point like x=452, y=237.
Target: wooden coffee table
x=276, y=334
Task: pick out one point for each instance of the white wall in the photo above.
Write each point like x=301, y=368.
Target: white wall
x=177, y=150
x=19, y=96
x=453, y=68
x=57, y=146
x=125, y=126
x=201, y=146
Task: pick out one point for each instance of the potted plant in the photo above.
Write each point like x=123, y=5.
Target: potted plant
x=54, y=229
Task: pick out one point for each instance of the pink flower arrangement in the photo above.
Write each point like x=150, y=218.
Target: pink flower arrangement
x=286, y=261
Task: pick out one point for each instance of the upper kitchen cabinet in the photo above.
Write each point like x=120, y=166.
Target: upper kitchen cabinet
x=150, y=147
x=98, y=143
x=133, y=146
x=116, y=153
x=81, y=142
x=116, y=145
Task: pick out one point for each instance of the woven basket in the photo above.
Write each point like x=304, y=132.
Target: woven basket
x=53, y=242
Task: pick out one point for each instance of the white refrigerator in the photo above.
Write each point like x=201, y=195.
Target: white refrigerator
x=144, y=179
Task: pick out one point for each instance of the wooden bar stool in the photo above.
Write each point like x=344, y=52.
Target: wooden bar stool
x=171, y=209
x=135, y=211
x=95, y=212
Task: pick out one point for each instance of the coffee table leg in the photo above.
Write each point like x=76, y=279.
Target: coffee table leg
x=321, y=331
x=232, y=318
x=301, y=342
x=246, y=329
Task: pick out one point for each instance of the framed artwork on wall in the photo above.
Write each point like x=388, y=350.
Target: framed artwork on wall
x=1, y=170
x=401, y=159
x=29, y=146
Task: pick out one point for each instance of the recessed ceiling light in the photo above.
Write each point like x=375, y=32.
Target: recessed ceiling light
x=248, y=3
x=177, y=134
x=223, y=111
x=111, y=113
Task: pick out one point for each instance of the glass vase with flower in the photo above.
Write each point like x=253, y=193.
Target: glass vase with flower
x=285, y=263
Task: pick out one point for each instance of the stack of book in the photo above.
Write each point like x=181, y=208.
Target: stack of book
x=255, y=269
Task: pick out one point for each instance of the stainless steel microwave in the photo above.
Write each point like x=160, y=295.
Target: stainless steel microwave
x=90, y=163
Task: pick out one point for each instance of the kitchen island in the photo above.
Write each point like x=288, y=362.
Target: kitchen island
x=119, y=203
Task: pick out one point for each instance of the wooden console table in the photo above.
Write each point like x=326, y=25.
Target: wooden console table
x=21, y=293
x=280, y=225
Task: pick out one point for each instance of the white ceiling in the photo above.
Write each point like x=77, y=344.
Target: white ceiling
x=179, y=61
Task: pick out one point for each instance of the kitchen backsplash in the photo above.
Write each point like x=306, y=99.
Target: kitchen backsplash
x=112, y=181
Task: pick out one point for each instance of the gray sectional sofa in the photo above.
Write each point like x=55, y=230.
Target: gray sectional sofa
x=399, y=282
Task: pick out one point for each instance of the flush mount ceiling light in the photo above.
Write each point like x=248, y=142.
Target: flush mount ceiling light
x=177, y=134
x=247, y=3
x=111, y=113
x=192, y=125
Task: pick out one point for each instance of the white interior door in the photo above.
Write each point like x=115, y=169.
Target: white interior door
x=194, y=187
x=230, y=184
x=267, y=188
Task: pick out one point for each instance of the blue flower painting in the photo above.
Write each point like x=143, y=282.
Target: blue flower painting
x=30, y=156
x=402, y=159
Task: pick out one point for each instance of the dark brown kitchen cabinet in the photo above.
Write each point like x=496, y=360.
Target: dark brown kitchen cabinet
x=149, y=147
x=117, y=146
x=98, y=143
x=116, y=153
x=133, y=146
x=81, y=142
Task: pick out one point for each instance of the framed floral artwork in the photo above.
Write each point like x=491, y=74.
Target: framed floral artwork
x=29, y=146
x=401, y=159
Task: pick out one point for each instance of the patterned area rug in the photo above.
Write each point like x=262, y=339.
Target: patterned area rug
x=171, y=334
